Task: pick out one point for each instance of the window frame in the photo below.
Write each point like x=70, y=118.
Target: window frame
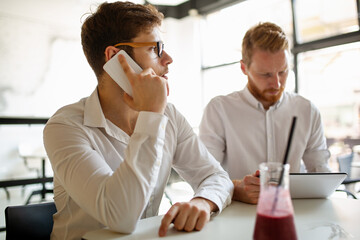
x=335, y=40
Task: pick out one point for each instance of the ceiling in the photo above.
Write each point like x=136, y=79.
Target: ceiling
x=52, y=12
x=185, y=7
x=166, y=2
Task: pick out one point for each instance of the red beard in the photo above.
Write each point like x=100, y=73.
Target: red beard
x=262, y=96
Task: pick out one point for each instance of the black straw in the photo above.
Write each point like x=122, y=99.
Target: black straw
x=287, y=149
x=284, y=162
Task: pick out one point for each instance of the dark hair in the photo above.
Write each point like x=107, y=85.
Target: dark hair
x=265, y=36
x=113, y=23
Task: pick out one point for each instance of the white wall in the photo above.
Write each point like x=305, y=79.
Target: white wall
x=182, y=43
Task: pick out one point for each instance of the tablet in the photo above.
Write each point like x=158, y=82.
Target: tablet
x=314, y=185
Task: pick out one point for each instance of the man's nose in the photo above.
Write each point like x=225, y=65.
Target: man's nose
x=166, y=58
x=275, y=81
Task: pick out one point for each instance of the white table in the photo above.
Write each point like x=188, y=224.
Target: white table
x=314, y=219
x=355, y=164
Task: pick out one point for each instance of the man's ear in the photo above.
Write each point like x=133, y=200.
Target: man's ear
x=110, y=51
x=243, y=67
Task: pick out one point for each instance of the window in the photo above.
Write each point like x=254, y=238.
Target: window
x=222, y=31
x=330, y=78
x=325, y=18
x=326, y=52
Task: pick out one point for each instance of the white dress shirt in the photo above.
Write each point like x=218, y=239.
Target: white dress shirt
x=103, y=177
x=241, y=134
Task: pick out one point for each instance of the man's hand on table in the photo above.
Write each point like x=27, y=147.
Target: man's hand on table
x=188, y=216
x=247, y=190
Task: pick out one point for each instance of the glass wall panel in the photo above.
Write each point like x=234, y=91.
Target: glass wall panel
x=324, y=18
x=222, y=81
x=222, y=31
x=330, y=78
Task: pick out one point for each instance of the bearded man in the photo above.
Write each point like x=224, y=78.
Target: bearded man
x=251, y=126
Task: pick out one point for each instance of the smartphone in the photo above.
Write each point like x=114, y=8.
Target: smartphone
x=116, y=72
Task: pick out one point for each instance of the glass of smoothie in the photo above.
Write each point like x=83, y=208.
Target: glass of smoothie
x=274, y=212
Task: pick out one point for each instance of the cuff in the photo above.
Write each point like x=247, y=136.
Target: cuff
x=150, y=123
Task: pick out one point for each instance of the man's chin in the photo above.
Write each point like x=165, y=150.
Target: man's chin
x=272, y=98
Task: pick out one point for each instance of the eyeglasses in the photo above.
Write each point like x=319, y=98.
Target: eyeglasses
x=159, y=45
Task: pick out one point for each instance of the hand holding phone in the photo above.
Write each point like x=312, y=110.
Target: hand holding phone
x=116, y=72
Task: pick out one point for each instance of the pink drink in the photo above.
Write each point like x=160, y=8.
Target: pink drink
x=274, y=222
x=269, y=227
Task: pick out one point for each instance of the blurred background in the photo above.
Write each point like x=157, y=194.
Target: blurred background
x=42, y=67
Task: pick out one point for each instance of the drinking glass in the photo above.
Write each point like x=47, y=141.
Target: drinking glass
x=274, y=212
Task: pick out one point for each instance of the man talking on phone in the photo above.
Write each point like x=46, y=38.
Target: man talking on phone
x=112, y=153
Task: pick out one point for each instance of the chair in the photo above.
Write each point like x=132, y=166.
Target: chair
x=32, y=221
x=345, y=166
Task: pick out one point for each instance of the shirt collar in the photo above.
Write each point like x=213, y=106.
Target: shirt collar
x=94, y=117
x=256, y=103
x=251, y=99
x=93, y=114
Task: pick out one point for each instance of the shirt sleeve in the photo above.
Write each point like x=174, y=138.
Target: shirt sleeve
x=316, y=155
x=114, y=198
x=211, y=131
x=199, y=168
